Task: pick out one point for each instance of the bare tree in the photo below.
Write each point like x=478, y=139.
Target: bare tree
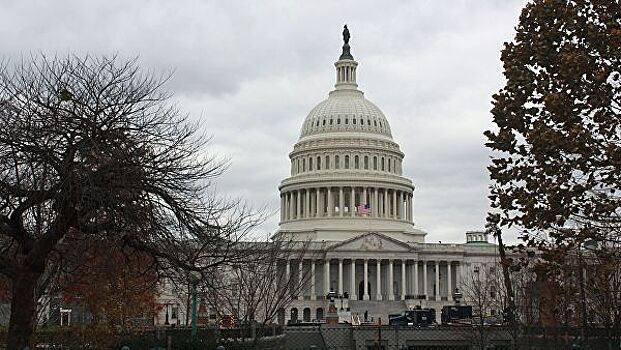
x=91, y=148
x=256, y=291
x=483, y=289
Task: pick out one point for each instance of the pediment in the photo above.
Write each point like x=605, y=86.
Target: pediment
x=372, y=242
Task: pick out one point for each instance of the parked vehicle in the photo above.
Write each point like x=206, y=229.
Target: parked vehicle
x=416, y=318
x=456, y=314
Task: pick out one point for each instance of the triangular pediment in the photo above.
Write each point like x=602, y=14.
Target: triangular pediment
x=372, y=242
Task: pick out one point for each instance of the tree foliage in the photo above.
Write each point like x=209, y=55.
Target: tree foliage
x=556, y=168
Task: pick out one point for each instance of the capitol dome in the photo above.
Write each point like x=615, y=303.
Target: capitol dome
x=346, y=111
x=346, y=170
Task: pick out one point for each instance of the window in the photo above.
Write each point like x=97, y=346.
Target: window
x=389, y=165
x=369, y=122
x=356, y=162
x=331, y=121
x=346, y=162
x=361, y=121
x=337, y=164
x=303, y=165
x=346, y=121
x=318, y=163
x=338, y=121
x=375, y=123
x=310, y=164
x=383, y=168
x=174, y=311
x=366, y=162
x=353, y=120
x=476, y=269
x=317, y=122
x=327, y=162
x=324, y=122
x=298, y=166
x=375, y=163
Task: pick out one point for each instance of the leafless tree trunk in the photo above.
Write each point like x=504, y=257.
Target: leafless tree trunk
x=90, y=148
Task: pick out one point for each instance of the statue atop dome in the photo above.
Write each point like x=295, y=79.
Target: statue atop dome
x=346, y=35
x=346, y=55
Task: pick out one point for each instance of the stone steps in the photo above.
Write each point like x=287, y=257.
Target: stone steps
x=376, y=309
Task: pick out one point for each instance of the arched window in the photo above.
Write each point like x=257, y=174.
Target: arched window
x=346, y=121
x=297, y=166
x=337, y=162
x=303, y=164
x=327, y=162
x=338, y=121
x=319, y=314
x=331, y=121
x=318, y=163
x=389, y=164
x=306, y=314
x=369, y=122
x=324, y=122
x=310, y=164
x=294, y=315
x=361, y=121
x=356, y=162
x=366, y=162
x=346, y=162
x=383, y=168
x=375, y=163
x=375, y=123
x=353, y=120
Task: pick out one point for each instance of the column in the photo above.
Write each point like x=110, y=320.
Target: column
x=391, y=292
x=385, y=210
x=376, y=206
x=298, y=211
x=282, y=207
x=340, y=276
x=379, y=279
x=425, y=287
x=449, y=284
x=458, y=271
x=291, y=206
x=352, y=286
x=352, y=202
x=317, y=202
x=366, y=280
x=330, y=202
x=326, y=277
x=403, y=280
x=313, y=290
x=288, y=273
x=394, y=204
x=415, y=279
x=341, y=201
x=307, y=204
x=410, y=209
x=364, y=196
x=402, y=209
x=437, y=280
x=300, y=276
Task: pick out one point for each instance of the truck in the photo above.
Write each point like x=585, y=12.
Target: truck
x=417, y=317
x=456, y=314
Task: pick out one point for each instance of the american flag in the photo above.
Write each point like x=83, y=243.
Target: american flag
x=363, y=209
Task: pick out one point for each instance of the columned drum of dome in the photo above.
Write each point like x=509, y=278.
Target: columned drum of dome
x=346, y=170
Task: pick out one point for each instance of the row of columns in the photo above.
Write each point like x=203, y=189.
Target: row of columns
x=412, y=277
x=331, y=202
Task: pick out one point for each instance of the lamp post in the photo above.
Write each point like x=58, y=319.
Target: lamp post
x=194, y=279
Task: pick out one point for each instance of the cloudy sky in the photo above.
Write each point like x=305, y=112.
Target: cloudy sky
x=252, y=70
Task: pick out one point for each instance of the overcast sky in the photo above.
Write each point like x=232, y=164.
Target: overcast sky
x=252, y=70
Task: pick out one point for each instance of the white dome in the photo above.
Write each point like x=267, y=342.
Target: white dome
x=346, y=111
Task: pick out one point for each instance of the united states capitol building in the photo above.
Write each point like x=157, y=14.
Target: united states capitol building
x=347, y=195
x=349, y=204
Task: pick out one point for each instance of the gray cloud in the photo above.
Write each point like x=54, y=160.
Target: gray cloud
x=250, y=72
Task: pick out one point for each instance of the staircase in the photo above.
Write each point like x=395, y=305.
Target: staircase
x=376, y=309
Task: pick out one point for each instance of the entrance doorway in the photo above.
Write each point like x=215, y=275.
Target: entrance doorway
x=361, y=289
